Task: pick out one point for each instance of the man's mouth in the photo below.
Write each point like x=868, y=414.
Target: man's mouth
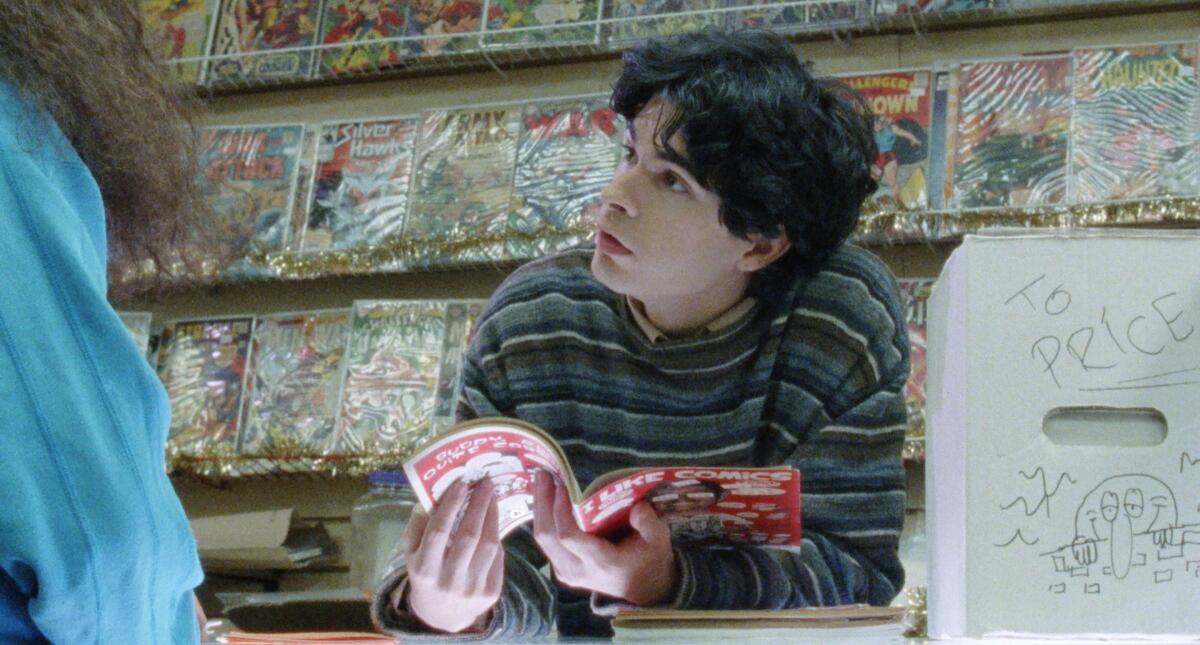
x=609, y=244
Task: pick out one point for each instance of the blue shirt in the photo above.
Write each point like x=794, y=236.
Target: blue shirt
x=94, y=544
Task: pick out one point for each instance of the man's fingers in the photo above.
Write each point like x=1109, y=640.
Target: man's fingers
x=441, y=523
x=495, y=575
x=649, y=525
x=489, y=539
x=587, y=548
x=414, y=530
x=543, y=508
x=466, y=540
x=546, y=531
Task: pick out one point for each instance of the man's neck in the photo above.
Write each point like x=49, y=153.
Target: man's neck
x=681, y=316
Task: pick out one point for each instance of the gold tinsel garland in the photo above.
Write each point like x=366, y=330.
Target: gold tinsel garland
x=214, y=465
x=400, y=253
x=905, y=226
x=916, y=618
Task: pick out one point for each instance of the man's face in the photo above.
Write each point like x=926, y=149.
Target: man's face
x=657, y=231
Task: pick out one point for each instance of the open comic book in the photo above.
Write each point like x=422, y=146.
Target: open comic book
x=739, y=505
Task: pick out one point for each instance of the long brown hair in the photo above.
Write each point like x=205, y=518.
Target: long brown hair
x=85, y=64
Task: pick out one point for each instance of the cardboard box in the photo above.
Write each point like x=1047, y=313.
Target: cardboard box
x=272, y=539
x=1063, y=455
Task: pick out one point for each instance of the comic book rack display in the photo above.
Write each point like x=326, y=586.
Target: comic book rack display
x=333, y=392
x=345, y=391
x=1095, y=136
x=231, y=44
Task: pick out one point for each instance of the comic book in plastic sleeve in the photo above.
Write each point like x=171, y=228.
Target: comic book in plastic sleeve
x=360, y=191
x=306, y=163
x=566, y=156
x=462, y=188
x=901, y=104
x=542, y=22
x=1011, y=147
x=915, y=294
x=825, y=14
x=1134, y=129
x=202, y=364
x=354, y=35
x=639, y=19
x=755, y=14
x=263, y=40
x=390, y=376
x=941, y=137
x=138, y=324
x=709, y=504
x=893, y=7
x=460, y=326
x=178, y=29
x=250, y=175
x=292, y=386
x=443, y=27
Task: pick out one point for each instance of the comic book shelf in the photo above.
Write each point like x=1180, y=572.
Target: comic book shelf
x=917, y=41
x=589, y=30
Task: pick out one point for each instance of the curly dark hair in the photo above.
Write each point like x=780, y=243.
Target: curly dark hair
x=783, y=150
x=85, y=64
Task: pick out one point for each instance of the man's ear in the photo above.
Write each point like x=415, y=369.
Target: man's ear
x=763, y=250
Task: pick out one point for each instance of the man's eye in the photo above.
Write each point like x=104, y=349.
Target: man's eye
x=675, y=183
x=630, y=154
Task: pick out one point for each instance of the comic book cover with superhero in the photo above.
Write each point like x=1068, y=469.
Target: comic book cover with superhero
x=263, y=40
x=528, y=22
x=1011, y=147
x=138, y=324
x=565, y=157
x=462, y=189
x=639, y=19
x=1133, y=134
x=460, y=327
x=351, y=31
x=250, y=181
x=292, y=386
x=901, y=103
x=893, y=7
x=202, y=364
x=360, y=191
x=915, y=295
x=390, y=376
x=179, y=29
x=443, y=27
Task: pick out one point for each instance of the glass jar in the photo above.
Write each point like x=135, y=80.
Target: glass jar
x=377, y=522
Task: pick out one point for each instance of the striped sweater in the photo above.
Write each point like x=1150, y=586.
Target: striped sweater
x=813, y=378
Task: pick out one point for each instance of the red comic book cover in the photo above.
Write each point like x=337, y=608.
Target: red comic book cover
x=900, y=102
x=703, y=505
x=710, y=504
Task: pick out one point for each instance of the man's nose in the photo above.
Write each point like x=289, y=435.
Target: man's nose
x=617, y=196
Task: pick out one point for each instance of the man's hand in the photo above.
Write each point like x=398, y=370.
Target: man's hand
x=639, y=569
x=455, y=574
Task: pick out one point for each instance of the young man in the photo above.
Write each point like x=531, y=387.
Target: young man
x=718, y=320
